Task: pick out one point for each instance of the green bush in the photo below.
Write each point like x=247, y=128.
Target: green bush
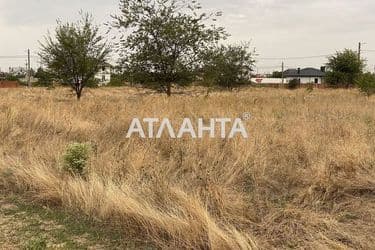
x=116, y=81
x=310, y=88
x=92, y=83
x=366, y=84
x=76, y=157
x=12, y=78
x=36, y=244
x=293, y=84
x=45, y=78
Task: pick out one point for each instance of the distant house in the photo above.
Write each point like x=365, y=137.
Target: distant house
x=104, y=74
x=305, y=76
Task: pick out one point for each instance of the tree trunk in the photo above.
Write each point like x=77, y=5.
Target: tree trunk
x=229, y=86
x=169, y=89
x=79, y=94
x=79, y=89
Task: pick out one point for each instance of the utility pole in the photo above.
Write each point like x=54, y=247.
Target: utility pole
x=359, y=51
x=282, y=72
x=28, y=69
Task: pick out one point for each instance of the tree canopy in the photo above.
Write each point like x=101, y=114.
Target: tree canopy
x=44, y=77
x=228, y=65
x=163, y=40
x=344, y=68
x=75, y=53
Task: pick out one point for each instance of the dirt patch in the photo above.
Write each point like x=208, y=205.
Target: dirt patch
x=24, y=226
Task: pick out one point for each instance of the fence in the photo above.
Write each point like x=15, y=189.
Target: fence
x=9, y=84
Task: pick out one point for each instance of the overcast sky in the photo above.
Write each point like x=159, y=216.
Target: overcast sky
x=277, y=28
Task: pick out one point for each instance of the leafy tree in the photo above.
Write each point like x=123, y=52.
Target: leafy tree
x=76, y=52
x=344, y=68
x=228, y=66
x=165, y=40
x=366, y=84
x=44, y=77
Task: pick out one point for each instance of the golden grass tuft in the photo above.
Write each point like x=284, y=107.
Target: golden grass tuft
x=304, y=179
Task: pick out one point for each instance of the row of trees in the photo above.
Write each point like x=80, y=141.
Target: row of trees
x=161, y=43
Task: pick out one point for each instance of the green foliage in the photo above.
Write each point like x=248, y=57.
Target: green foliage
x=45, y=78
x=92, y=83
x=76, y=157
x=76, y=52
x=117, y=80
x=366, y=84
x=228, y=66
x=344, y=68
x=36, y=244
x=293, y=84
x=310, y=88
x=10, y=77
x=164, y=40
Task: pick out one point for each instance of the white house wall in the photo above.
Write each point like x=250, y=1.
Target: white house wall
x=306, y=80
x=106, y=74
x=263, y=80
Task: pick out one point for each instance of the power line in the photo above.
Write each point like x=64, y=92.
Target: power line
x=268, y=67
x=13, y=57
x=294, y=58
x=17, y=57
x=303, y=57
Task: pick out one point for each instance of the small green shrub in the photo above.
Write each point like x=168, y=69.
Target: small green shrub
x=92, y=83
x=116, y=81
x=76, y=157
x=366, y=84
x=310, y=88
x=293, y=84
x=36, y=244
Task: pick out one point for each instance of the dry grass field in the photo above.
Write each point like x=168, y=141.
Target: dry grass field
x=305, y=178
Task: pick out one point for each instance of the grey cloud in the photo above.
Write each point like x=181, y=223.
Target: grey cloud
x=40, y=12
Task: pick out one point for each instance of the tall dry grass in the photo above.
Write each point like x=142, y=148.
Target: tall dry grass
x=304, y=179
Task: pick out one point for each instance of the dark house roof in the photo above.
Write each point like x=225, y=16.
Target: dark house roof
x=307, y=72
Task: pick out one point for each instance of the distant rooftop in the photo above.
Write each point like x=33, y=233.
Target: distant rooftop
x=306, y=72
